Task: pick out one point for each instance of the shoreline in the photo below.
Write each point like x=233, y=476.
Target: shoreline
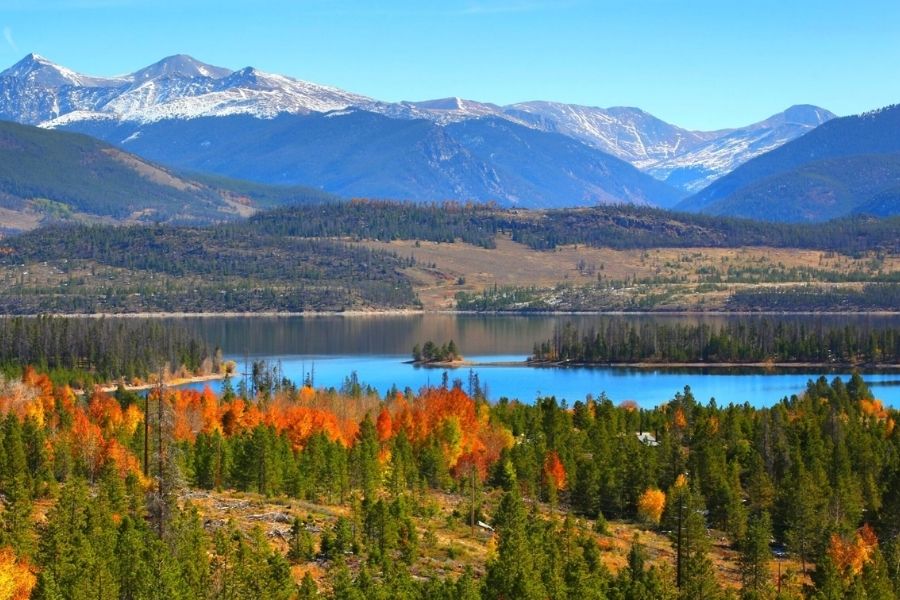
x=445, y=364
x=176, y=382
x=675, y=366
x=718, y=365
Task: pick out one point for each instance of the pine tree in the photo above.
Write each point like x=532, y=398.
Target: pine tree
x=134, y=575
x=514, y=573
x=686, y=518
x=14, y=462
x=342, y=584
x=64, y=549
x=308, y=588
x=35, y=442
x=755, y=557
x=15, y=520
x=188, y=546
x=364, y=458
x=47, y=588
x=300, y=545
x=466, y=587
x=805, y=508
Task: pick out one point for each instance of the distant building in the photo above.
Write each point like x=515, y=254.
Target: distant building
x=648, y=439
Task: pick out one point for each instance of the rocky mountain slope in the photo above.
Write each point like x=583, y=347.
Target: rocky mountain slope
x=848, y=165
x=180, y=89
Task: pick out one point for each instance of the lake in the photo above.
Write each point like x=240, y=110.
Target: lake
x=376, y=348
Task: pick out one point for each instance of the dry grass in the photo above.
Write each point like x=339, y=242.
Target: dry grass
x=447, y=545
x=514, y=264
x=20, y=220
x=150, y=172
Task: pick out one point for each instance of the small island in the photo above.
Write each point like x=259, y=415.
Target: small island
x=430, y=354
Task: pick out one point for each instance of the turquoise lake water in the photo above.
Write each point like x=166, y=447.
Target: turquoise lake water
x=377, y=349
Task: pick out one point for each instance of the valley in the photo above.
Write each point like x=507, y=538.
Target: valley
x=373, y=256
x=469, y=300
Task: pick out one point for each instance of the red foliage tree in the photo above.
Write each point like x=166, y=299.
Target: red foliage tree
x=554, y=471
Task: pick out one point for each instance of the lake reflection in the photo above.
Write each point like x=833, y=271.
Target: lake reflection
x=377, y=347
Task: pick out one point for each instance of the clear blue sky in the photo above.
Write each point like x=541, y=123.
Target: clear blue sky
x=699, y=64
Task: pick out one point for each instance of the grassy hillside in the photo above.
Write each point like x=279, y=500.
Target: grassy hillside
x=50, y=176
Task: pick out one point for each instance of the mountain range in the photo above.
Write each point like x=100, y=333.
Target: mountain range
x=848, y=165
x=282, y=130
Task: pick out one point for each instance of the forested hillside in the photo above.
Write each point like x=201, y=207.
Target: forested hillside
x=619, y=227
x=83, y=352
x=836, y=169
x=169, y=269
x=754, y=341
x=821, y=190
x=364, y=496
x=371, y=255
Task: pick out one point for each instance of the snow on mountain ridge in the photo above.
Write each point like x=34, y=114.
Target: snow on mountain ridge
x=38, y=91
x=695, y=169
x=628, y=133
x=39, y=70
x=179, y=65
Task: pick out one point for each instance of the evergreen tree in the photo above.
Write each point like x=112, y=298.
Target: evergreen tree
x=15, y=520
x=513, y=573
x=308, y=588
x=755, y=557
x=805, y=516
x=686, y=518
x=364, y=464
x=189, y=547
x=134, y=575
x=300, y=545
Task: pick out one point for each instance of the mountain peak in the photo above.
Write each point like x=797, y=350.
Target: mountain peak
x=804, y=115
x=453, y=103
x=34, y=57
x=179, y=65
x=248, y=77
x=44, y=72
x=807, y=114
x=28, y=64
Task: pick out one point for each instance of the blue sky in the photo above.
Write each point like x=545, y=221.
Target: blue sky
x=699, y=64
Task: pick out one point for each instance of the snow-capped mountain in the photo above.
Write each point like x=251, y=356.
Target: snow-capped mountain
x=39, y=92
x=702, y=164
x=35, y=90
x=629, y=133
x=442, y=111
x=688, y=160
x=848, y=165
